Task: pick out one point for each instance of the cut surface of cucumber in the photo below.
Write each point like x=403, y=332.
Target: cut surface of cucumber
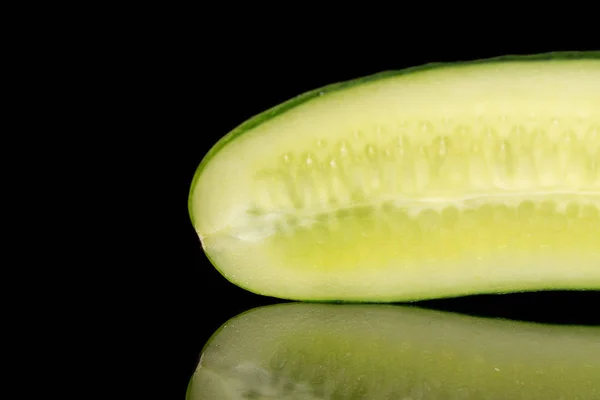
x=344, y=352
x=438, y=181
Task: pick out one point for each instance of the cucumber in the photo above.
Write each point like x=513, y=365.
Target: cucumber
x=357, y=351
x=438, y=181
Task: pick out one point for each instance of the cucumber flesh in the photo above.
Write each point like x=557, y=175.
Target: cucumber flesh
x=445, y=180
x=327, y=351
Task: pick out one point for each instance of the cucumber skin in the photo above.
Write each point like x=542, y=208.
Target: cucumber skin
x=281, y=108
x=302, y=98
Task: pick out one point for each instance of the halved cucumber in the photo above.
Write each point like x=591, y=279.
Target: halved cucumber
x=327, y=351
x=444, y=180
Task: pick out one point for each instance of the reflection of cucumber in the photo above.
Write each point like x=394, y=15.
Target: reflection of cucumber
x=438, y=181
x=326, y=351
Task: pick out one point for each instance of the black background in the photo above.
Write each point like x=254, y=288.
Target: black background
x=237, y=79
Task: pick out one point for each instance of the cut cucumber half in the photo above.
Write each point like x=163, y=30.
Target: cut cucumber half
x=438, y=181
x=351, y=351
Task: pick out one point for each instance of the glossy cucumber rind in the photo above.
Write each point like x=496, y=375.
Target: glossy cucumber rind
x=279, y=109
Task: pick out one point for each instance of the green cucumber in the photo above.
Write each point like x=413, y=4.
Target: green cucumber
x=437, y=181
x=354, y=351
